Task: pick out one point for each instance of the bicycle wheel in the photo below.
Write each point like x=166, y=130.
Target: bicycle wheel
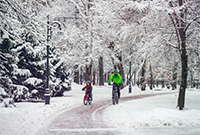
x=116, y=98
x=90, y=100
x=113, y=101
x=113, y=97
x=85, y=100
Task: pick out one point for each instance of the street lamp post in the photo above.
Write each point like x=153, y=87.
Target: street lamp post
x=130, y=77
x=130, y=89
x=49, y=34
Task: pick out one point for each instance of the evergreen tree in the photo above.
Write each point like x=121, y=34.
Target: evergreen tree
x=6, y=66
x=59, y=74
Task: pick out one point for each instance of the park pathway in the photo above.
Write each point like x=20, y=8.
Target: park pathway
x=86, y=120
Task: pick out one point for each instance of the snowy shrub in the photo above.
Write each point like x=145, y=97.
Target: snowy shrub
x=5, y=81
x=4, y=87
x=59, y=86
x=33, y=81
x=34, y=94
x=1, y=98
x=22, y=72
x=9, y=102
x=34, y=91
x=65, y=85
x=2, y=92
x=19, y=92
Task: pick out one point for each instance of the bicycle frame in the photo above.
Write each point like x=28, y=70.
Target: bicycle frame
x=86, y=99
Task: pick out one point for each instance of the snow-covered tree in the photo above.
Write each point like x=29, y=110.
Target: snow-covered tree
x=22, y=27
x=174, y=24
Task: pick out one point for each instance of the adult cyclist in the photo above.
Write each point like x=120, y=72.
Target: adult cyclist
x=117, y=82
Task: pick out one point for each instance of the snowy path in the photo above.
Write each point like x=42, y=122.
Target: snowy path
x=86, y=119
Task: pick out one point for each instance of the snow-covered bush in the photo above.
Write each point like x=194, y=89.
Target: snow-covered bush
x=19, y=92
x=34, y=94
x=9, y=102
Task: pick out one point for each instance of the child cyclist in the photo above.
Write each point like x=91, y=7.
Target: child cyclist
x=88, y=87
x=117, y=82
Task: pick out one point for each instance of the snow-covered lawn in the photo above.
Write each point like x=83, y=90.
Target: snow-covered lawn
x=157, y=111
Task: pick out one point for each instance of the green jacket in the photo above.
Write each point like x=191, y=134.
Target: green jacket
x=116, y=78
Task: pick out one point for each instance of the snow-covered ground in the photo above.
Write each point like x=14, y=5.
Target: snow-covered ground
x=150, y=112
x=157, y=115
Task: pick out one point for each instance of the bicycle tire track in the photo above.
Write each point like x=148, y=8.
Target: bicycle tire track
x=86, y=119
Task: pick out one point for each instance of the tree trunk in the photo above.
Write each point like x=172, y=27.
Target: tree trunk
x=143, y=85
x=181, y=98
x=121, y=68
x=89, y=45
x=94, y=78
x=192, y=80
x=88, y=75
x=151, y=78
x=101, y=80
x=163, y=83
x=182, y=34
x=134, y=78
x=108, y=77
x=81, y=76
x=174, y=83
x=157, y=83
x=76, y=74
x=97, y=81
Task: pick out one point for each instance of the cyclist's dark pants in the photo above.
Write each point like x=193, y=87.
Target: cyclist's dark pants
x=89, y=94
x=118, y=91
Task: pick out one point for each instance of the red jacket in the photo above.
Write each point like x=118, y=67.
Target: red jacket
x=88, y=87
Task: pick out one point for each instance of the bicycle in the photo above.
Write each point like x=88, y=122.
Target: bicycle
x=115, y=98
x=87, y=99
